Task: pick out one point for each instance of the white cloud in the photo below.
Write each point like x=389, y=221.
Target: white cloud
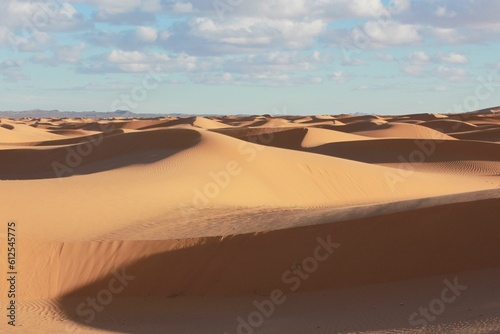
x=119, y=56
x=365, y=8
x=265, y=9
x=390, y=33
x=29, y=26
x=442, y=11
x=447, y=35
x=113, y=7
x=182, y=7
x=131, y=40
x=214, y=78
x=261, y=79
x=275, y=62
x=454, y=58
x=385, y=57
x=418, y=58
x=147, y=34
x=335, y=9
x=37, y=41
x=417, y=64
x=164, y=35
x=41, y=16
x=294, y=9
x=398, y=6
x=140, y=62
x=256, y=41
x=12, y=70
x=351, y=61
x=70, y=53
x=414, y=70
x=451, y=73
x=271, y=69
x=256, y=32
x=129, y=12
x=454, y=14
x=341, y=77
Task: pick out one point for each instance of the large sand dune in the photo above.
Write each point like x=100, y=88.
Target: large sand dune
x=183, y=225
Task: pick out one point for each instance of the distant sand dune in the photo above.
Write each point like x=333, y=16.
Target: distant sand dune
x=402, y=130
x=490, y=134
x=449, y=125
x=103, y=149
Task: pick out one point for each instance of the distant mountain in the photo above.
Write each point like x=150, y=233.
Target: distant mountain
x=494, y=110
x=37, y=113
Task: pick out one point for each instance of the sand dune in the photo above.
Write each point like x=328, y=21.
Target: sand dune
x=449, y=125
x=319, y=136
x=361, y=258
x=99, y=152
x=357, y=125
x=166, y=223
x=489, y=134
x=11, y=132
x=402, y=130
x=411, y=151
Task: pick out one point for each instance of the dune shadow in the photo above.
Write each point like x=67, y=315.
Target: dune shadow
x=96, y=154
x=355, y=126
x=400, y=150
x=282, y=137
x=400, y=246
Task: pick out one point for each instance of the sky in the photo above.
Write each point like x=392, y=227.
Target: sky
x=250, y=56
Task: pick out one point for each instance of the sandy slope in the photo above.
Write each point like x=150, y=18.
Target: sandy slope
x=208, y=214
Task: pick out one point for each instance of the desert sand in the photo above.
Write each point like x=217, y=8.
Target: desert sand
x=253, y=224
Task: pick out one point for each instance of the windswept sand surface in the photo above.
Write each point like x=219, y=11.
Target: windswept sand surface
x=255, y=224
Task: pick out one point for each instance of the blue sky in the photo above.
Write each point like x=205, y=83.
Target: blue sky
x=250, y=57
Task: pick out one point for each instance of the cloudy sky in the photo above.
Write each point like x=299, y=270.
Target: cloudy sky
x=250, y=56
